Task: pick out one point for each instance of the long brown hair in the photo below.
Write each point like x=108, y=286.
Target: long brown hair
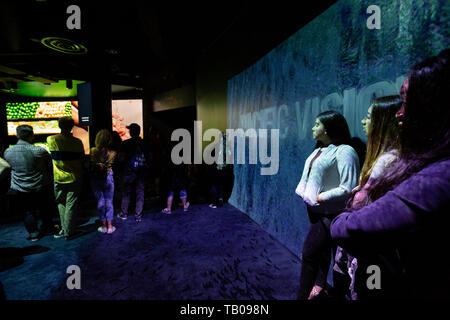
x=383, y=132
x=103, y=141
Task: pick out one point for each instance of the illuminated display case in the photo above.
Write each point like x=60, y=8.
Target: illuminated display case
x=34, y=113
x=38, y=110
x=43, y=117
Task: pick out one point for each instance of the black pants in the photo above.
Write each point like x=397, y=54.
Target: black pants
x=217, y=186
x=316, y=255
x=133, y=179
x=31, y=202
x=341, y=285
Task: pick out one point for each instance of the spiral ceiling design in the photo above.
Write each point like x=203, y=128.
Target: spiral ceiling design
x=64, y=45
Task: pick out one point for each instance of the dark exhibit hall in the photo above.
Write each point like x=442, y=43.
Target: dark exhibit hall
x=270, y=154
x=202, y=254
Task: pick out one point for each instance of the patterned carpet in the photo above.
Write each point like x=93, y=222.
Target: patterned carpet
x=201, y=254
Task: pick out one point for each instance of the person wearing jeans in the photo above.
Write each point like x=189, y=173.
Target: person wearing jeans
x=104, y=193
x=136, y=159
x=177, y=181
x=102, y=179
x=183, y=198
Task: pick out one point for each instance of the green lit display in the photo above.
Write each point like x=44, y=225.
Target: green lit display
x=53, y=90
x=38, y=110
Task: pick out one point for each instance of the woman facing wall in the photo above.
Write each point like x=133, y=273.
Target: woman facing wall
x=329, y=175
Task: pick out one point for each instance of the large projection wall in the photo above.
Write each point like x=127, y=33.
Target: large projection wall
x=333, y=63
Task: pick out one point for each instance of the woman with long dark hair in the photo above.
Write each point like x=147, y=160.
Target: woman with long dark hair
x=380, y=126
x=410, y=212
x=329, y=175
x=102, y=179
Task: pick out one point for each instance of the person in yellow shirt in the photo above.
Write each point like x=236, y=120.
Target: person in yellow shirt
x=67, y=154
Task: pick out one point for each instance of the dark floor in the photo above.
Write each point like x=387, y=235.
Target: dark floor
x=202, y=254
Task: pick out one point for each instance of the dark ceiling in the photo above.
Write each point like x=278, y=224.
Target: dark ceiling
x=131, y=40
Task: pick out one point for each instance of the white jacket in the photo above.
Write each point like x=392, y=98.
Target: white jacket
x=333, y=175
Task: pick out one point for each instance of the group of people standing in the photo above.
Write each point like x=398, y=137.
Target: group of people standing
x=391, y=215
x=43, y=182
x=40, y=180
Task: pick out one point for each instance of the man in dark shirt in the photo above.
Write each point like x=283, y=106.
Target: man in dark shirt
x=135, y=154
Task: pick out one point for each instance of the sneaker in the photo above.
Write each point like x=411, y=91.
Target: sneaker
x=34, y=236
x=60, y=234
x=166, y=211
x=213, y=206
x=186, y=207
x=102, y=229
x=138, y=218
x=111, y=230
x=122, y=216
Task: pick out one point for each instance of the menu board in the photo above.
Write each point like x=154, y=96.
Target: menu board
x=43, y=117
x=38, y=110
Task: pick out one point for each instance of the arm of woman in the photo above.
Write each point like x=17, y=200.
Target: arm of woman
x=397, y=212
x=300, y=190
x=348, y=168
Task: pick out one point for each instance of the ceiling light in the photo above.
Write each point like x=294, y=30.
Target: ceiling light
x=64, y=45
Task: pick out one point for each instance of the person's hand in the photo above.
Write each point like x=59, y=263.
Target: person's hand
x=360, y=198
x=356, y=189
x=308, y=202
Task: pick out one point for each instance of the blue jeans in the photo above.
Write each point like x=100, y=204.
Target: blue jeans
x=183, y=194
x=104, y=193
